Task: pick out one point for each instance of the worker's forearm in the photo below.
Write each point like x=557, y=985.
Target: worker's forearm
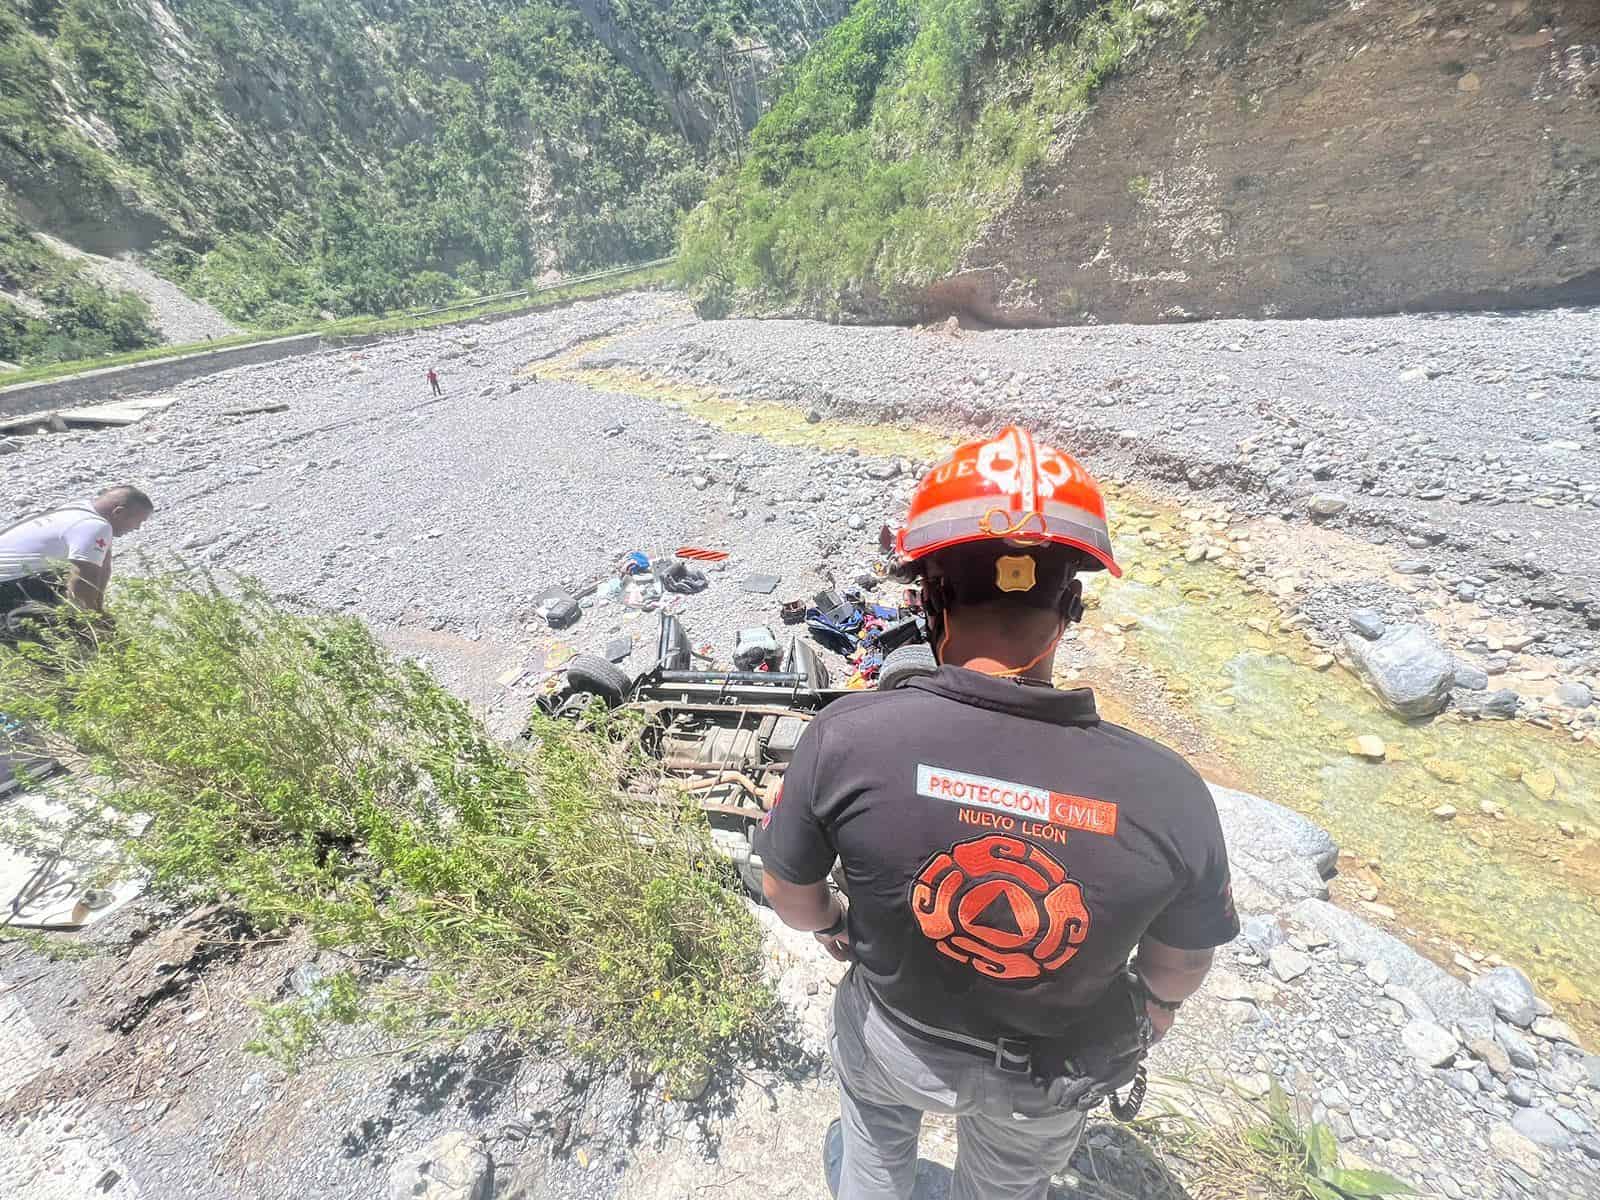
x=85, y=592
x=1174, y=976
x=807, y=907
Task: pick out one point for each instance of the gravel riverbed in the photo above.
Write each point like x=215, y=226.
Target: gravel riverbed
x=442, y=521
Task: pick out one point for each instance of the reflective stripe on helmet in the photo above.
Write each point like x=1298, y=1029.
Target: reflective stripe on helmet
x=1082, y=530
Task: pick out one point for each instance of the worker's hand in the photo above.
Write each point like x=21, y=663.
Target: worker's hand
x=1160, y=1021
x=838, y=945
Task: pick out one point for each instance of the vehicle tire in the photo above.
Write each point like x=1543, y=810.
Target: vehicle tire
x=598, y=676
x=905, y=663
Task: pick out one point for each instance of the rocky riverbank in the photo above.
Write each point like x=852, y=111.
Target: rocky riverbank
x=442, y=522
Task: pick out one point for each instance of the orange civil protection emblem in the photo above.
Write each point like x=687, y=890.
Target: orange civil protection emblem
x=1002, y=906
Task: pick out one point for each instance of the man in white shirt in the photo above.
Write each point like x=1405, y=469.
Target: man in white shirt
x=65, y=554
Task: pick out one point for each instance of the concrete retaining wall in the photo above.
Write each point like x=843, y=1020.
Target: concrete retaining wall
x=91, y=387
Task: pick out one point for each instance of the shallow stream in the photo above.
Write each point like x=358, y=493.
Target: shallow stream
x=1498, y=877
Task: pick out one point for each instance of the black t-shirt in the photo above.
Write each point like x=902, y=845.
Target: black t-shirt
x=1005, y=849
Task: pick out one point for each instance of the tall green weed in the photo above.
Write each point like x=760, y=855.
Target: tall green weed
x=292, y=768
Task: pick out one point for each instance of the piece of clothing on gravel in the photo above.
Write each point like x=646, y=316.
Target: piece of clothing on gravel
x=42, y=544
x=1005, y=848
x=1010, y=1138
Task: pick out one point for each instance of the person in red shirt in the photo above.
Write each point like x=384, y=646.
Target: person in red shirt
x=433, y=382
x=1006, y=852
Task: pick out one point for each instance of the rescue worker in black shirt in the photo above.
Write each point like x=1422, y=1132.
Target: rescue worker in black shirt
x=1005, y=852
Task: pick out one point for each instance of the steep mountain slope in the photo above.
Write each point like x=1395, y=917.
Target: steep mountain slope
x=283, y=156
x=1073, y=160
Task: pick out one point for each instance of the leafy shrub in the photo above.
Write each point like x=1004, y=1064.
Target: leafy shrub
x=292, y=768
x=899, y=136
x=82, y=318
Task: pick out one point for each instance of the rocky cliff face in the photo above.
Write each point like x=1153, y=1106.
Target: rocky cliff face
x=1313, y=158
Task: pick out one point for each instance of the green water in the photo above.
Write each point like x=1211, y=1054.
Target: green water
x=1515, y=886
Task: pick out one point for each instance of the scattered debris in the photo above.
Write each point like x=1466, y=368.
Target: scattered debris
x=258, y=410
x=760, y=585
x=701, y=555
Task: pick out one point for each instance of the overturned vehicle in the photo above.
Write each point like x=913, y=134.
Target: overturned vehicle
x=725, y=737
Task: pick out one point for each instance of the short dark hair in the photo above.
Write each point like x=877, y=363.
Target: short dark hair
x=128, y=496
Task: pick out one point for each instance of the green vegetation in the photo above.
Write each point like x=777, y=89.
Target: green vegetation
x=1226, y=1148
x=81, y=318
x=647, y=275
x=292, y=769
x=893, y=142
x=286, y=159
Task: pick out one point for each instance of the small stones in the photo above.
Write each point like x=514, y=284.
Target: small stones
x=1445, y=812
x=1519, y=1092
x=1552, y=1030
x=1288, y=963
x=1428, y=1043
x=1327, y=504
x=1573, y=695
x=1492, y=1055
x=1473, y=679
x=1368, y=746
x=1542, y=1129
x=1511, y=993
x=1514, y=1148
x=1518, y=1049
x=1541, y=783
x=1368, y=622
x=1254, y=1086
x=1262, y=933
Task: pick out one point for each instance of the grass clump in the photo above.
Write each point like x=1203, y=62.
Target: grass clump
x=909, y=126
x=291, y=768
x=1226, y=1147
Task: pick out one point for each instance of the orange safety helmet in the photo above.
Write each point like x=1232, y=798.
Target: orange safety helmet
x=1011, y=489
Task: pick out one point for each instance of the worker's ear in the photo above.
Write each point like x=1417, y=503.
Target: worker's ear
x=1072, y=602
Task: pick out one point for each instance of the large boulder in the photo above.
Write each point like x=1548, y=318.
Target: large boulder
x=1511, y=993
x=454, y=1166
x=1451, y=1002
x=1276, y=854
x=1410, y=672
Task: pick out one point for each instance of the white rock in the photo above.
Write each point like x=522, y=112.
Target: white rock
x=454, y=1166
x=1428, y=1043
x=1288, y=963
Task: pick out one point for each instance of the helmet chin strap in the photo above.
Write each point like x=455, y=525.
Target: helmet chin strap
x=1008, y=672
x=1071, y=610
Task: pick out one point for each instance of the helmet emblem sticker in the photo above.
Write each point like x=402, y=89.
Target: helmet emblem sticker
x=1014, y=573
x=1002, y=906
x=998, y=463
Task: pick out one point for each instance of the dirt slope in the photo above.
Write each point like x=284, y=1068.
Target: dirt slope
x=1313, y=158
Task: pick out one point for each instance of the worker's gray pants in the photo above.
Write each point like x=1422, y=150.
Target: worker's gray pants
x=1010, y=1138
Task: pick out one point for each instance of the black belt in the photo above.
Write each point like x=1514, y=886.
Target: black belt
x=1014, y=1056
